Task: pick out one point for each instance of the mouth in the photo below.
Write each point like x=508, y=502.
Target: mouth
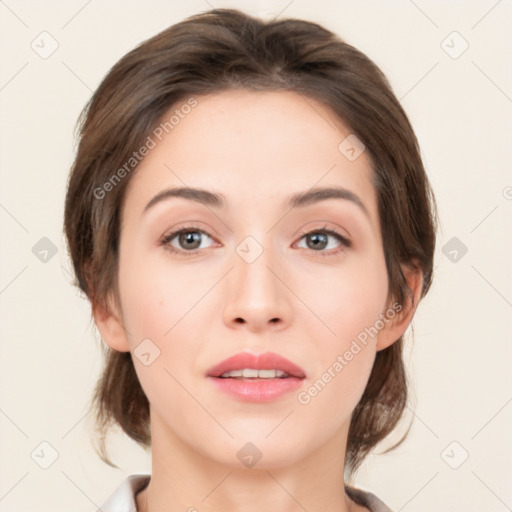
x=249, y=366
x=253, y=373
x=251, y=378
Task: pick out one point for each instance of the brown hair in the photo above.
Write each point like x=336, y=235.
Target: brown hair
x=215, y=51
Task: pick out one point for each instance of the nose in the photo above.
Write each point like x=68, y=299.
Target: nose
x=257, y=296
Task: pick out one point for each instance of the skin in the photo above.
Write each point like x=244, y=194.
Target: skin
x=256, y=148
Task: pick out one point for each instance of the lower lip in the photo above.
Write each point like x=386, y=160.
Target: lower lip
x=257, y=390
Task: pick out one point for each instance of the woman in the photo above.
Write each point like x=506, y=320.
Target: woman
x=263, y=363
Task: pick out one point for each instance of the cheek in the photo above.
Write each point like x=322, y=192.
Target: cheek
x=154, y=299
x=144, y=308
x=342, y=360
x=162, y=312
x=333, y=394
x=154, y=311
x=346, y=300
x=348, y=305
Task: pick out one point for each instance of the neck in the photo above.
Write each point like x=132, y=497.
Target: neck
x=183, y=479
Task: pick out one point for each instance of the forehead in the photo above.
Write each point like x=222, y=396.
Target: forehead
x=251, y=147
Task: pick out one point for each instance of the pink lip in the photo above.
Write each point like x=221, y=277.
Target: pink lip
x=266, y=361
x=256, y=390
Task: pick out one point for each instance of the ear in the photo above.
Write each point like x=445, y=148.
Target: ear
x=396, y=326
x=109, y=322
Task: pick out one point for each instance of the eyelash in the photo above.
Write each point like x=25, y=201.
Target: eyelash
x=194, y=229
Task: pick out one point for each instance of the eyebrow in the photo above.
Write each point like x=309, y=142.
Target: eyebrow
x=298, y=200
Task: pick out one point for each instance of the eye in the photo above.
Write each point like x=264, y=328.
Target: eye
x=189, y=240
x=318, y=240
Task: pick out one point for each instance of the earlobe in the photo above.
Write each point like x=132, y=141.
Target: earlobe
x=399, y=323
x=110, y=325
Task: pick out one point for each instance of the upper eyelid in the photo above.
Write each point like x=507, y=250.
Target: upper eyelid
x=191, y=229
x=325, y=229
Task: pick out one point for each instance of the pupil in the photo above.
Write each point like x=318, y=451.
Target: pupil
x=190, y=237
x=314, y=237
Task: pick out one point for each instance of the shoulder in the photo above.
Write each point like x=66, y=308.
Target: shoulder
x=123, y=498
x=367, y=499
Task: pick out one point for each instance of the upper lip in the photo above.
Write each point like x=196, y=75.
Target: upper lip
x=266, y=361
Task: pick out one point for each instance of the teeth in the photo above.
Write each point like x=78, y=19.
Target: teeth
x=248, y=373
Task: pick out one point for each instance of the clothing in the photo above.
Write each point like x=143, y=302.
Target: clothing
x=367, y=499
x=123, y=499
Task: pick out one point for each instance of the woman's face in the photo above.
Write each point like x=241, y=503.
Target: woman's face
x=249, y=278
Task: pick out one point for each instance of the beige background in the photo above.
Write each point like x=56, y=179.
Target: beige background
x=460, y=362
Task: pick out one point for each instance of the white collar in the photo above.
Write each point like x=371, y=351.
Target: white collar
x=123, y=499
